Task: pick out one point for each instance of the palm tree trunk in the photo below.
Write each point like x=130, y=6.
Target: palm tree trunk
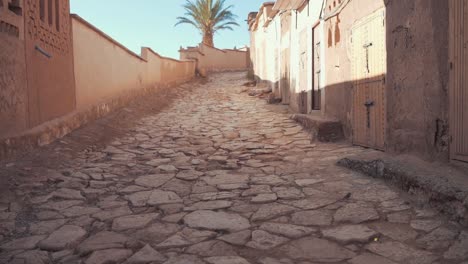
x=208, y=39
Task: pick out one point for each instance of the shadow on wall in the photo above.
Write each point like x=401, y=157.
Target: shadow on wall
x=375, y=115
x=408, y=103
x=380, y=116
x=388, y=91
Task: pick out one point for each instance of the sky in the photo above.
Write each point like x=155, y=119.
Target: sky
x=150, y=23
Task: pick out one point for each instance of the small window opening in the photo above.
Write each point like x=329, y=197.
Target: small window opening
x=15, y=7
x=42, y=10
x=57, y=15
x=50, y=13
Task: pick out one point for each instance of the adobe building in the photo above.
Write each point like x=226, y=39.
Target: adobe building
x=281, y=51
x=36, y=57
x=59, y=72
x=391, y=72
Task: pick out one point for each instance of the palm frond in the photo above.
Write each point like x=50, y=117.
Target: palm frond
x=208, y=16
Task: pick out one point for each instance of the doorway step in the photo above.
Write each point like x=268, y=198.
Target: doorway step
x=322, y=128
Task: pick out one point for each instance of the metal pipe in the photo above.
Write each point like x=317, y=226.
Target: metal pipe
x=43, y=52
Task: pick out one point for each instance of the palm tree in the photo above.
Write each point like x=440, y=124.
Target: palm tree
x=208, y=16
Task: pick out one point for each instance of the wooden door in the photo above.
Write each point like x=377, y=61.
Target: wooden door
x=459, y=79
x=368, y=71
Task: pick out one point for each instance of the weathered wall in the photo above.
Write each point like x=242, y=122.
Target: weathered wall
x=105, y=69
x=301, y=25
x=339, y=82
x=265, y=32
x=210, y=59
x=51, y=83
x=13, y=84
x=175, y=71
x=282, y=52
x=58, y=73
x=225, y=59
x=417, y=81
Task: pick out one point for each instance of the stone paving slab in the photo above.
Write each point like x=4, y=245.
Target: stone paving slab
x=218, y=177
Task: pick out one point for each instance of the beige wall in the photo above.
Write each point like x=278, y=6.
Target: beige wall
x=210, y=59
x=76, y=74
x=339, y=79
x=105, y=69
x=13, y=83
x=216, y=59
x=282, y=51
x=51, y=81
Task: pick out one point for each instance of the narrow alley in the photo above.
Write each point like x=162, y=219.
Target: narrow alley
x=216, y=177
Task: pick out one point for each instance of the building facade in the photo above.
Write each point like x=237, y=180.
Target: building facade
x=58, y=72
x=38, y=79
x=390, y=72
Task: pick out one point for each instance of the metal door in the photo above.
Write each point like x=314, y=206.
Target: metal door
x=368, y=71
x=458, y=79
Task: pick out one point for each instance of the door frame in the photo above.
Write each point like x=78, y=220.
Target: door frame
x=315, y=49
x=455, y=42
x=381, y=12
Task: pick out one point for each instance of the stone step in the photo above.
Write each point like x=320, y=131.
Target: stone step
x=322, y=128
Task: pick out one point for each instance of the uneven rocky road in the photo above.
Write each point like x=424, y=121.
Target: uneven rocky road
x=218, y=177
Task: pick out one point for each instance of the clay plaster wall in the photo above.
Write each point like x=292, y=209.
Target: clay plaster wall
x=13, y=84
x=336, y=38
x=105, y=69
x=210, y=59
x=417, y=80
x=274, y=36
x=51, y=82
x=217, y=60
x=302, y=22
x=417, y=63
x=267, y=47
x=40, y=98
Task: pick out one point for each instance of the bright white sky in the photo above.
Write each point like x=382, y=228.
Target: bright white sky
x=136, y=23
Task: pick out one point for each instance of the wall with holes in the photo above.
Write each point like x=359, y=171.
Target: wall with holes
x=13, y=85
x=58, y=72
x=49, y=60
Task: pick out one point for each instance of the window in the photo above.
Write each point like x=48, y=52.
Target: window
x=42, y=10
x=49, y=12
x=57, y=15
x=15, y=7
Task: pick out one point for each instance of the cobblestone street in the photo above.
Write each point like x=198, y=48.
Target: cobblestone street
x=217, y=177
